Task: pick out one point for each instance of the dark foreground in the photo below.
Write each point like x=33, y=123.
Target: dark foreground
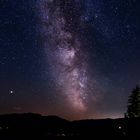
x=34, y=126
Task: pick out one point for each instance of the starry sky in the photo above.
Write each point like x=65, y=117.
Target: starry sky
x=76, y=59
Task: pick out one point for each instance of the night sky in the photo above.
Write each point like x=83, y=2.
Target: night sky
x=73, y=58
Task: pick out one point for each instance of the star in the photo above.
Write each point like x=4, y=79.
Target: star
x=11, y=92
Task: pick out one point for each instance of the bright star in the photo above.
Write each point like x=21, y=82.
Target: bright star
x=11, y=92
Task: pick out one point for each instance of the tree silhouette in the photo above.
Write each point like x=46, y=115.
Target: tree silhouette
x=133, y=108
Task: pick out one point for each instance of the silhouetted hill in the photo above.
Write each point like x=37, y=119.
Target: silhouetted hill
x=30, y=125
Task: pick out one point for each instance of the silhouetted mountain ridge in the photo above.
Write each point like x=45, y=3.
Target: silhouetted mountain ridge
x=35, y=125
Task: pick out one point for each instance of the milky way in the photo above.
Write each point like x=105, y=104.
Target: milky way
x=67, y=60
